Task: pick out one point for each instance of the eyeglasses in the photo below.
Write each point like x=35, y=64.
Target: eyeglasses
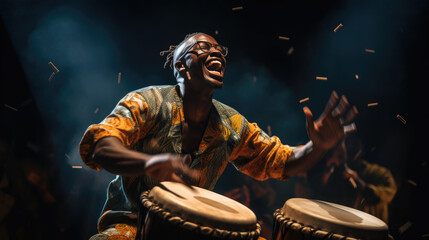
x=206, y=47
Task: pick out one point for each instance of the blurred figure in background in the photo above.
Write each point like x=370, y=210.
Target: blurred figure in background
x=260, y=197
x=345, y=178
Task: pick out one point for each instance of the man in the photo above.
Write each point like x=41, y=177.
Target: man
x=344, y=177
x=180, y=133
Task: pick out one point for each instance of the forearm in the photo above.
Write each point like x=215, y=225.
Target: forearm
x=304, y=158
x=114, y=157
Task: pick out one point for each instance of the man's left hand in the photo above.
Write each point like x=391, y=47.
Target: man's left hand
x=331, y=126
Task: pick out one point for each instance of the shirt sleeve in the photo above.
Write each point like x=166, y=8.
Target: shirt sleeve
x=259, y=155
x=127, y=122
x=380, y=180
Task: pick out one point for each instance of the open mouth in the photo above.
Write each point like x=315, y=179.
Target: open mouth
x=214, y=67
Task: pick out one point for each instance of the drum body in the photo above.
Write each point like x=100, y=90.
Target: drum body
x=301, y=218
x=176, y=211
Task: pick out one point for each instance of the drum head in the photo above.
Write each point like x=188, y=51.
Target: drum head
x=334, y=218
x=203, y=207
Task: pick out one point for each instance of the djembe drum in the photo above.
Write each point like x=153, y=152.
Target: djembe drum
x=313, y=219
x=176, y=211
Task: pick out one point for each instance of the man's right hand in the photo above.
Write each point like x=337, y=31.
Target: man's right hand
x=114, y=157
x=170, y=167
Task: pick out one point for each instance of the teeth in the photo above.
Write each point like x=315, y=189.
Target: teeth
x=214, y=65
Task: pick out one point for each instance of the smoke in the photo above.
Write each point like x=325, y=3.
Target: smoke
x=261, y=98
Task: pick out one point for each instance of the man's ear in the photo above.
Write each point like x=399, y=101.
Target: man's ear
x=180, y=67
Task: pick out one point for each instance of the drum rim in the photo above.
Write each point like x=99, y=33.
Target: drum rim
x=174, y=219
x=307, y=230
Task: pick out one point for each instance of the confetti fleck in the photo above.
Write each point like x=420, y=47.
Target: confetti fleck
x=189, y=76
x=53, y=67
x=321, y=78
x=10, y=107
x=356, y=76
x=412, y=182
x=269, y=130
x=76, y=166
x=372, y=104
x=237, y=8
x=405, y=227
x=52, y=75
x=33, y=147
x=304, y=100
x=96, y=111
x=401, y=119
x=216, y=32
x=369, y=50
x=338, y=27
x=290, y=51
x=284, y=38
x=357, y=155
x=119, y=77
x=26, y=102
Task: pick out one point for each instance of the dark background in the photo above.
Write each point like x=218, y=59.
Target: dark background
x=90, y=42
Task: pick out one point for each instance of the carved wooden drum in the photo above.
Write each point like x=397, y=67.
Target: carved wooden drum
x=176, y=211
x=301, y=218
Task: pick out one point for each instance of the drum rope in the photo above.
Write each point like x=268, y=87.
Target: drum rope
x=306, y=230
x=208, y=231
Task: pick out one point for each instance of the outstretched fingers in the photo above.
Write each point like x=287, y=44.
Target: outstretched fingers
x=341, y=108
x=353, y=112
x=331, y=103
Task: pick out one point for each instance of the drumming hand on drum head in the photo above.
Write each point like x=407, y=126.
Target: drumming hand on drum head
x=331, y=126
x=171, y=167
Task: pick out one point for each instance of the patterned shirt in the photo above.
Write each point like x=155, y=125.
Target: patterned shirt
x=150, y=120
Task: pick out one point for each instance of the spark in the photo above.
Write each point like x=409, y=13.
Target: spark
x=369, y=50
x=284, y=38
x=304, y=100
x=119, y=77
x=405, y=227
x=412, y=182
x=338, y=27
x=401, y=119
x=372, y=104
x=10, y=107
x=53, y=67
x=52, y=75
x=321, y=78
x=26, y=102
x=237, y=8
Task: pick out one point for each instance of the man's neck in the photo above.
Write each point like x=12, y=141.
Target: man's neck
x=196, y=105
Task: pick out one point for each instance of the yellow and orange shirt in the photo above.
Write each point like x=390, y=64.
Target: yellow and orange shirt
x=150, y=120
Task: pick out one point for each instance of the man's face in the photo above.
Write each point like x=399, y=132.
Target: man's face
x=206, y=66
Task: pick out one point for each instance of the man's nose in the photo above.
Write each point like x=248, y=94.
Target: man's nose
x=216, y=53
